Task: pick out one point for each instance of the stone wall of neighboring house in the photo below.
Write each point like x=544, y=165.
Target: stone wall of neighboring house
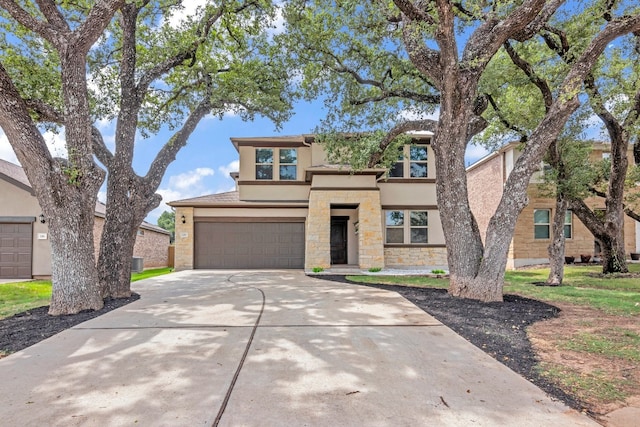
x=153, y=247
x=484, y=183
x=527, y=250
x=415, y=257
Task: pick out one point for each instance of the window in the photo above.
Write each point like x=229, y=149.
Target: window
x=418, y=161
x=541, y=223
x=288, y=160
x=397, y=170
x=413, y=231
x=140, y=232
x=395, y=226
x=568, y=229
x=264, y=163
x=412, y=162
x=418, y=226
x=284, y=162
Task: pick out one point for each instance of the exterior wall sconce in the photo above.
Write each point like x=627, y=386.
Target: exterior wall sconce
x=41, y=217
x=183, y=219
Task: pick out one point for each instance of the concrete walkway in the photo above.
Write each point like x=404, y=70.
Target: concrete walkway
x=318, y=353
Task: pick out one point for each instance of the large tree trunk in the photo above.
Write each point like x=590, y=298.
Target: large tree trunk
x=116, y=253
x=556, y=247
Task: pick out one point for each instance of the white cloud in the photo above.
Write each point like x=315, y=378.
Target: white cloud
x=56, y=143
x=234, y=166
x=415, y=114
x=190, y=179
x=6, y=151
x=188, y=9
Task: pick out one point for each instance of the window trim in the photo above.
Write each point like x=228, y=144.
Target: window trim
x=276, y=174
x=259, y=164
x=542, y=224
x=406, y=227
x=568, y=213
x=404, y=159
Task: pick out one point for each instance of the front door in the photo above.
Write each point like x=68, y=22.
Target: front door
x=339, y=240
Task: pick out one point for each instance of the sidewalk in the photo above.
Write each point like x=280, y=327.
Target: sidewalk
x=322, y=354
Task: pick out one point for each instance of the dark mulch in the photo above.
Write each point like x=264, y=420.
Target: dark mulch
x=30, y=327
x=499, y=329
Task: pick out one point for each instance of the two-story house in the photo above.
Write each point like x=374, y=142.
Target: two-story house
x=293, y=209
x=533, y=231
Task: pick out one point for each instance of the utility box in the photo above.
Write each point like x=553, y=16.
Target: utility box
x=137, y=264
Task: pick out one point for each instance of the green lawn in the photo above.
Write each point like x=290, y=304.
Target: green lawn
x=613, y=295
x=21, y=296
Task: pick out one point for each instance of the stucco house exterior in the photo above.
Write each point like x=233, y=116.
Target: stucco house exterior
x=533, y=232
x=291, y=208
x=25, y=252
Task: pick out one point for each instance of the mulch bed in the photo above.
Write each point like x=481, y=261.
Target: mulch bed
x=30, y=327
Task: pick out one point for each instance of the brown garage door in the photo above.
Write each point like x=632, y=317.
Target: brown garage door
x=15, y=251
x=249, y=245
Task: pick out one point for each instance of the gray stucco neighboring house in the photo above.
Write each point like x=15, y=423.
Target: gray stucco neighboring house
x=25, y=251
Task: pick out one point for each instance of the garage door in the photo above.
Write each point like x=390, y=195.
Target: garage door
x=15, y=251
x=249, y=245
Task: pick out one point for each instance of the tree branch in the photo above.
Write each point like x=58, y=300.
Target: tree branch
x=399, y=129
x=414, y=11
x=43, y=29
x=100, y=148
x=97, y=20
x=53, y=15
x=541, y=84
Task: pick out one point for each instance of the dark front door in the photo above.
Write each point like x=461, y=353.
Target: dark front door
x=339, y=240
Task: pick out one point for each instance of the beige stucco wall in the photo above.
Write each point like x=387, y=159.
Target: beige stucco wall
x=407, y=194
x=274, y=192
x=288, y=212
x=318, y=239
x=16, y=201
x=343, y=181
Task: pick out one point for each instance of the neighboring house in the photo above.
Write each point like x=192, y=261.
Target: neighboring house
x=25, y=252
x=292, y=209
x=533, y=231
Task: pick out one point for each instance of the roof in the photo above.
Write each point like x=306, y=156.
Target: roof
x=232, y=199
x=101, y=210
x=15, y=174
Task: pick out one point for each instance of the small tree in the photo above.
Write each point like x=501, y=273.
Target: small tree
x=167, y=220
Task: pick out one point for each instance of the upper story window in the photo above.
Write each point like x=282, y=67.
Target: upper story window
x=413, y=231
x=288, y=164
x=264, y=163
x=283, y=160
x=412, y=162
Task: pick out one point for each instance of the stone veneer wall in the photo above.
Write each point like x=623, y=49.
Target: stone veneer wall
x=184, y=239
x=318, y=239
x=415, y=257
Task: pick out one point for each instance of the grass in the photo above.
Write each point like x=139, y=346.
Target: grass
x=612, y=343
x=582, y=285
x=22, y=296
x=596, y=384
x=17, y=297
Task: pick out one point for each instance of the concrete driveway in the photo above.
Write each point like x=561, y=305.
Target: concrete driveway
x=258, y=348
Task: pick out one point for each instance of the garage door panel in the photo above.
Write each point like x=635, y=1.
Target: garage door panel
x=249, y=245
x=15, y=250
